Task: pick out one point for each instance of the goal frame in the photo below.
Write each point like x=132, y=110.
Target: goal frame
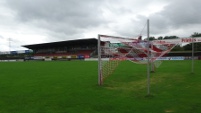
x=167, y=41
x=101, y=74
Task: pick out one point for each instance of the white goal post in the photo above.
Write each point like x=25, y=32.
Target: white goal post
x=113, y=49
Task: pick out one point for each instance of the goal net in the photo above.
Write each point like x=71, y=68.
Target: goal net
x=112, y=50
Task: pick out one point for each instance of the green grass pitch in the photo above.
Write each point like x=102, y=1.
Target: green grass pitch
x=72, y=87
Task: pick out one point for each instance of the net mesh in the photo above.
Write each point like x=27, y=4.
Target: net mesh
x=108, y=67
x=117, y=49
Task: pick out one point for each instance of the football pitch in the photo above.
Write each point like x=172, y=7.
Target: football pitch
x=72, y=87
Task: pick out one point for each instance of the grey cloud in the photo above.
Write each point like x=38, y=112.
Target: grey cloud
x=178, y=14
x=1, y=37
x=134, y=25
x=63, y=16
x=70, y=18
x=183, y=12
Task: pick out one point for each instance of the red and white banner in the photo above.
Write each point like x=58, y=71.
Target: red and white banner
x=179, y=41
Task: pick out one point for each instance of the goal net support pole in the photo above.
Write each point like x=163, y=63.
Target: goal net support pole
x=148, y=60
x=99, y=62
x=192, y=57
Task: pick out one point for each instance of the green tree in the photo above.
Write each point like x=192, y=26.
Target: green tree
x=178, y=48
x=160, y=38
x=197, y=46
x=196, y=34
x=152, y=38
x=171, y=37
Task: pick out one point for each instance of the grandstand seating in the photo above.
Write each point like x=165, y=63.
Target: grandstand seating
x=72, y=53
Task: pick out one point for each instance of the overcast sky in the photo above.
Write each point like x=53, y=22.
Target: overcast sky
x=25, y=22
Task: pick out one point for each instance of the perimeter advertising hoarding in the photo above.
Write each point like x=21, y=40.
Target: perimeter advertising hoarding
x=171, y=58
x=80, y=56
x=74, y=56
x=83, y=56
x=87, y=56
x=177, y=58
x=5, y=53
x=13, y=52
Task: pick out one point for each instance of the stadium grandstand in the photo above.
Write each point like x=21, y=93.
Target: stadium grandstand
x=71, y=49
